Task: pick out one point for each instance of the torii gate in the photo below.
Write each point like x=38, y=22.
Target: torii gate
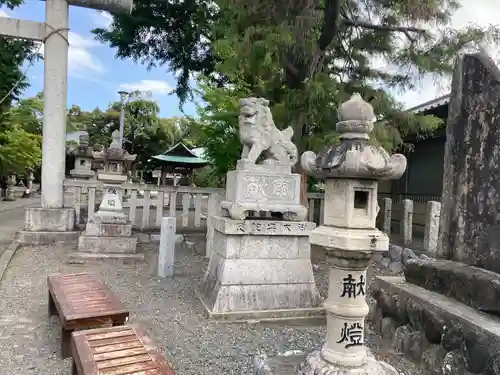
x=54, y=33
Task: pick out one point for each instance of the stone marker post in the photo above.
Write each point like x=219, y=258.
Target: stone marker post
x=30, y=179
x=351, y=170
x=166, y=253
x=407, y=221
x=11, y=182
x=387, y=218
x=432, y=226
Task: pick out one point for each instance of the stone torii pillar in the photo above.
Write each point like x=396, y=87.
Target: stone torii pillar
x=52, y=218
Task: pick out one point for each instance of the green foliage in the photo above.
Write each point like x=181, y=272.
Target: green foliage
x=13, y=53
x=20, y=149
x=307, y=58
x=207, y=177
x=145, y=133
x=173, y=33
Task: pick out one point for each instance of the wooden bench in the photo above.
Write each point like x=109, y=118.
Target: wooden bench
x=81, y=301
x=115, y=351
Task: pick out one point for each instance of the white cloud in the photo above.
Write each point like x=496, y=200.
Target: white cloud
x=479, y=12
x=153, y=86
x=3, y=13
x=102, y=19
x=81, y=60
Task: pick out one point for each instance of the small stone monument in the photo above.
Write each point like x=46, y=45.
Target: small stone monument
x=450, y=306
x=260, y=268
x=109, y=233
x=351, y=170
x=83, y=159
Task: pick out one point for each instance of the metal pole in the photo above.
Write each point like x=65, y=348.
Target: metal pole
x=123, y=95
x=54, y=104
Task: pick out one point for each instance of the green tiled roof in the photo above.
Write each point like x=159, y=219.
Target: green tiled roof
x=180, y=159
x=180, y=154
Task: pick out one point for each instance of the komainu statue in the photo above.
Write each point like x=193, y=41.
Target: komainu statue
x=263, y=180
x=259, y=135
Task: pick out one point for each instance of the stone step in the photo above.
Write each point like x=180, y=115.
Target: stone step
x=473, y=286
x=108, y=230
x=107, y=245
x=46, y=238
x=83, y=257
x=447, y=336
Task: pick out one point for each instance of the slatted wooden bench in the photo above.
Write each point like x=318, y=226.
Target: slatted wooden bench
x=82, y=301
x=115, y=351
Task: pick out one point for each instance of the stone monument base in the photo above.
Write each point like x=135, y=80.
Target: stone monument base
x=315, y=365
x=302, y=363
x=107, y=239
x=260, y=269
x=46, y=226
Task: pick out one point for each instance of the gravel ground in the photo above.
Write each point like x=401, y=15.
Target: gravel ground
x=169, y=310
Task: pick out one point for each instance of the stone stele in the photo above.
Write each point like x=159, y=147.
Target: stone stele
x=469, y=226
x=267, y=185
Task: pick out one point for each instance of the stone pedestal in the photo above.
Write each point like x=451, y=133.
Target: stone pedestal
x=45, y=226
x=349, y=252
x=260, y=269
x=109, y=233
x=255, y=188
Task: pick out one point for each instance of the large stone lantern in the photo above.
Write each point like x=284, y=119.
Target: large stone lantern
x=351, y=170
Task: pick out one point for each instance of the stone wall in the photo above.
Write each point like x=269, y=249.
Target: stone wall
x=395, y=259
x=444, y=340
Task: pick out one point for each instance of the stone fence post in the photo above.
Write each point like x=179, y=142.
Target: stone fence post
x=166, y=253
x=407, y=221
x=432, y=226
x=386, y=215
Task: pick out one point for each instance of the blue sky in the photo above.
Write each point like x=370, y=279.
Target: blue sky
x=94, y=75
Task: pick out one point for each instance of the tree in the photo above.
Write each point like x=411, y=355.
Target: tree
x=13, y=53
x=306, y=57
x=145, y=133
x=20, y=150
x=166, y=32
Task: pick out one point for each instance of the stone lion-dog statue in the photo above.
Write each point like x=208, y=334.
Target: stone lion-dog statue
x=259, y=135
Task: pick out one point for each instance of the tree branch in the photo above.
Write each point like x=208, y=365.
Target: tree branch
x=402, y=29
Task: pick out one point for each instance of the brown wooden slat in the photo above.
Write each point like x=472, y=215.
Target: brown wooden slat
x=123, y=361
x=88, y=280
x=119, y=354
x=69, y=276
x=91, y=301
x=128, y=369
x=125, y=331
x=77, y=296
x=83, y=287
x=92, y=311
x=116, y=347
x=157, y=358
x=111, y=341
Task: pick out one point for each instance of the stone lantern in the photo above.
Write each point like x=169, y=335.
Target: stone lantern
x=108, y=234
x=351, y=170
x=83, y=159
